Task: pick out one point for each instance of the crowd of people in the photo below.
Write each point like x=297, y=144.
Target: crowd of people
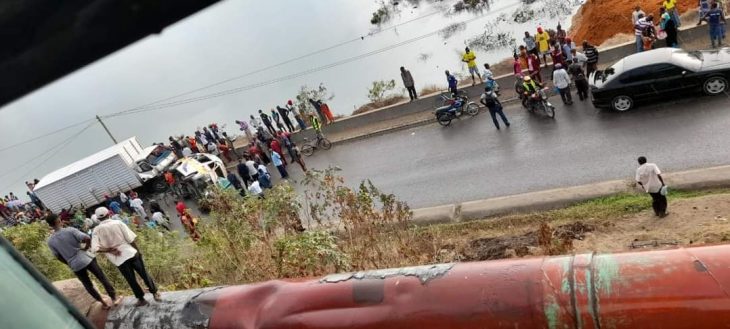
x=14, y=211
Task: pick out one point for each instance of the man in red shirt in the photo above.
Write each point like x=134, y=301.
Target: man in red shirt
x=276, y=146
x=533, y=67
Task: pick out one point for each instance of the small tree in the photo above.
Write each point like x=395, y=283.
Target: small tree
x=377, y=92
x=305, y=93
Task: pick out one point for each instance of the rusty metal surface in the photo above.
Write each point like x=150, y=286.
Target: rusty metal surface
x=177, y=310
x=679, y=288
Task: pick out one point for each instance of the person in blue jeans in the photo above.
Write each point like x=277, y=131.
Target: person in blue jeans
x=452, y=82
x=489, y=99
x=716, y=19
x=639, y=26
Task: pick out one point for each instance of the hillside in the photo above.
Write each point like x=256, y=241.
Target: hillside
x=599, y=20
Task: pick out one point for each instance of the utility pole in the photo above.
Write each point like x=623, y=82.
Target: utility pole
x=107, y=130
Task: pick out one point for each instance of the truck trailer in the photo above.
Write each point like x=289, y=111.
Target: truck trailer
x=119, y=168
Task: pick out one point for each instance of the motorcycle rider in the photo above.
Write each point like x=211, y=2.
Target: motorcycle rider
x=531, y=87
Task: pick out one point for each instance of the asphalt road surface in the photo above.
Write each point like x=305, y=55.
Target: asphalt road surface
x=469, y=160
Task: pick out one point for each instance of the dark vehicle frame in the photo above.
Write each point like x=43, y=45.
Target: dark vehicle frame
x=658, y=75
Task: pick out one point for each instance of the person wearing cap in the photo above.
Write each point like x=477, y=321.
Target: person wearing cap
x=65, y=245
x=561, y=79
x=117, y=242
x=489, y=99
x=543, y=43
x=530, y=86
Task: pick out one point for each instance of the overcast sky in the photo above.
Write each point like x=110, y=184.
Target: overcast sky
x=227, y=40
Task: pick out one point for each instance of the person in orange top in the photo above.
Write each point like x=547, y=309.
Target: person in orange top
x=225, y=150
x=327, y=113
x=193, y=144
x=187, y=220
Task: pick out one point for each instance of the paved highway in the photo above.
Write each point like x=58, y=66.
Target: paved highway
x=433, y=165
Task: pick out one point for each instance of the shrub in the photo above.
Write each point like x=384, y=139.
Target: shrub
x=309, y=254
x=377, y=91
x=30, y=240
x=305, y=93
x=249, y=239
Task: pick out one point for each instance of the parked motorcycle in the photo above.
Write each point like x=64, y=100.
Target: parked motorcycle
x=456, y=107
x=538, y=102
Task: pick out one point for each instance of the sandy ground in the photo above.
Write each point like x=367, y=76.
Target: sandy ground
x=692, y=221
x=702, y=220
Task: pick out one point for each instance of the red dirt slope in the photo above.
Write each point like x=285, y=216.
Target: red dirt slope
x=599, y=20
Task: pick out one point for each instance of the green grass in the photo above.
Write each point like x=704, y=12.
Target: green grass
x=596, y=209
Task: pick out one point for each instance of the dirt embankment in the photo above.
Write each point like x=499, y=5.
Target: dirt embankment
x=693, y=221
x=600, y=20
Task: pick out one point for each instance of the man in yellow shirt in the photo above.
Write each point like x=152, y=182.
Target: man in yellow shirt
x=671, y=7
x=543, y=43
x=470, y=59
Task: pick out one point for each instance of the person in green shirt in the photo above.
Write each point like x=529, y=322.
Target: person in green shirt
x=315, y=123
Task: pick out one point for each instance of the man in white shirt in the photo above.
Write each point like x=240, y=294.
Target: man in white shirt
x=252, y=171
x=116, y=241
x=636, y=14
x=255, y=189
x=213, y=149
x=187, y=152
x=137, y=204
x=561, y=79
x=649, y=177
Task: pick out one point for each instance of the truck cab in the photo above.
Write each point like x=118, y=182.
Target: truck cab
x=153, y=161
x=199, y=171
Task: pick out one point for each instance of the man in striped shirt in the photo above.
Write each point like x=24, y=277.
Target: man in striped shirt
x=641, y=24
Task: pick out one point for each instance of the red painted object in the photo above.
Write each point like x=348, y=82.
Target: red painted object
x=680, y=288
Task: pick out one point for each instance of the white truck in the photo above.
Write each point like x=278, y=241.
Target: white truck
x=119, y=168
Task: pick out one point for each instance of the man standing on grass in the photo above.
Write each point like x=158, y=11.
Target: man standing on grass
x=65, y=244
x=471, y=61
x=408, y=83
x=649, y=177
x=117, y=241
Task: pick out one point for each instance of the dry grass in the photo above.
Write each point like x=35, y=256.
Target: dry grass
x=390, y=100
x=430, y=89
x=696, y=218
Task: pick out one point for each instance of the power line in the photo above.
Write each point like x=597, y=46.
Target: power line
x=56, y=148
x=319, y=51
x=287, y=77
x=44, y=135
